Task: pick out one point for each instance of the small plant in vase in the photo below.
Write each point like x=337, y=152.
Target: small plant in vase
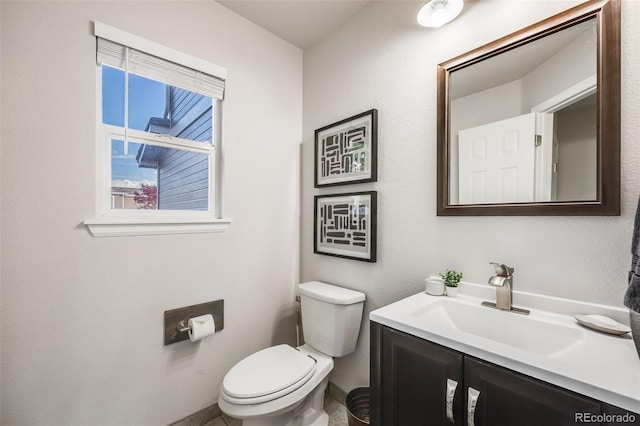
x=451, y=280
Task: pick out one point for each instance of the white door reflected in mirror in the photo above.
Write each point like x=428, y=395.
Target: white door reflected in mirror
x=496, y=161
x=527, y=132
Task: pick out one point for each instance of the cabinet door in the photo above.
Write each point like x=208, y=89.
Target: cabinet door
x=618, y=416
x=420, y=383
x=505, y=398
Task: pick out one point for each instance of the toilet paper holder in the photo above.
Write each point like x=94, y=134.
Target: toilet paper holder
x=183, y=327
x=176, y=321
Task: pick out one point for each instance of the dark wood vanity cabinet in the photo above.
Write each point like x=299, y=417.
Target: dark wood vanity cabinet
x=506, y=398
x=413, y=379
x=625, y=419
x=411, y=382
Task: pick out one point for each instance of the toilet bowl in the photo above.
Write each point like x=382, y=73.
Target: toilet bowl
x=291, y=405
x=284, y=386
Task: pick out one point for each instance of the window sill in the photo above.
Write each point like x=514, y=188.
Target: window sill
x=119, y=227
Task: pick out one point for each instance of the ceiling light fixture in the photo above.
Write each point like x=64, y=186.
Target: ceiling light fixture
x=436, y=13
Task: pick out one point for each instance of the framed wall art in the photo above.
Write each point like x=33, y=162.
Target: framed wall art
x=346, y=152
x=345, y=225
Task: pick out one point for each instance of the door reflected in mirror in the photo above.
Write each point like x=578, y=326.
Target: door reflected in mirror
x=527, y=133
x=529, y=124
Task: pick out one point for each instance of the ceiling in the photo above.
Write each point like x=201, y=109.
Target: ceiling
x=300, y=22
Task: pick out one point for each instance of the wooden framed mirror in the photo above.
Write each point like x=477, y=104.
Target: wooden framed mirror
x=529, y=124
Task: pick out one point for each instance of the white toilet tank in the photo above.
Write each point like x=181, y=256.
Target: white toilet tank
x=331, y=317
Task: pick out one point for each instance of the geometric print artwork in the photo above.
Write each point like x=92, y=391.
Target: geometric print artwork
x=345, y=152
x=345, y=225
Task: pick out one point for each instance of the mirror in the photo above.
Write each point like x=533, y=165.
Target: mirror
x=530, y=123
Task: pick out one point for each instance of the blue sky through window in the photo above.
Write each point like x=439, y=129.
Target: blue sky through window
x=147, y=99
x=124, y=168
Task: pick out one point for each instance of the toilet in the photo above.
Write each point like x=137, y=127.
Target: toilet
x=283, y=385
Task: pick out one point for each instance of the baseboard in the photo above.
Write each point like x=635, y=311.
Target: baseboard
x=336, y=392
x=201, y=417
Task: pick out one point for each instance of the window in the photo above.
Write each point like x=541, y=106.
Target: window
x=159, y=139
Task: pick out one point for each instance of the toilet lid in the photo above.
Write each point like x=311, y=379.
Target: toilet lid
x=270, y=371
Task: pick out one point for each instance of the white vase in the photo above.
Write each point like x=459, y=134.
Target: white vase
x=452, y=291
x=434, y=286
x=635, y=329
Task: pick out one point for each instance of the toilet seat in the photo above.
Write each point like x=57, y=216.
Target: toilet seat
x=267, y=375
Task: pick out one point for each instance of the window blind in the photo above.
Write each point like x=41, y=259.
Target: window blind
x=114, y=54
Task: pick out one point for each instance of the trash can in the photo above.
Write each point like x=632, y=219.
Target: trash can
x=358, y=404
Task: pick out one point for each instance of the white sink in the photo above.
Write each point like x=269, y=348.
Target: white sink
x=548, y=344
x=535, y=335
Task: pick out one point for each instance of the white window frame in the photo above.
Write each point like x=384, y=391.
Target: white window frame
x=122, y=222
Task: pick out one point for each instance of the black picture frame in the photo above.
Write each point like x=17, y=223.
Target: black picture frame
x=346, y=151
x=345, y=225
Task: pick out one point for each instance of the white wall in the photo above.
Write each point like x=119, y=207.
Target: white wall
x=382, y=59
x=576, y=62
x=480, y=108
x=82, y=318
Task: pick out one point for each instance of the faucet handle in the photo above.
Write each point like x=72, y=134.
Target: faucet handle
x=497, y=281
x=502, y=270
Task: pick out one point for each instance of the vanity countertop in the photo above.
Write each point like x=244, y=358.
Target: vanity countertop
x=548, y=344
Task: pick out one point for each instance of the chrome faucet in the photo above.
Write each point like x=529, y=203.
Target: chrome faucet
x=503, y=281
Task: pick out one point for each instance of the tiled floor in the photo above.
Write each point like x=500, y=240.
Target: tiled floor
x=336, y=411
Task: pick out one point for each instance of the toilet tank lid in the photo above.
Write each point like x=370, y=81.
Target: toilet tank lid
x=330, y=293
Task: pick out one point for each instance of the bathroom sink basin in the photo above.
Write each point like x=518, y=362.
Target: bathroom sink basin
x=548, y=344
x=534, y=335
